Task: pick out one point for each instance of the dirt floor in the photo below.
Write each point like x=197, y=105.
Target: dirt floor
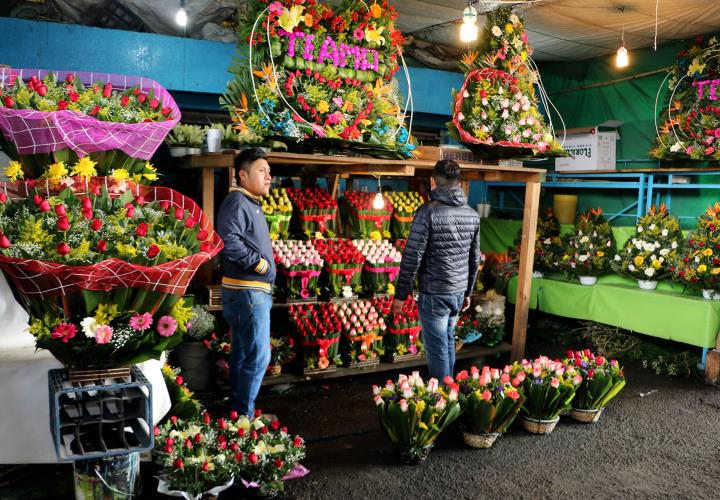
x=658, y=439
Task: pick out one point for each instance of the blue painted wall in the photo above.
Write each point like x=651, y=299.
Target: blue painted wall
x=179, y=64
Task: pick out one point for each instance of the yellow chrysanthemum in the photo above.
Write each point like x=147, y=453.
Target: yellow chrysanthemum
x=656, y=264
x=639, y=260
x=323, y=107
x=375, y=235
x=509, y=28
x=57, y=171
x=600, y=253
x=120, y=174
x=375, y=10
x=84, y=167
x=14, y=171
x=707, y=252
x=391, y=289
x=702, y=268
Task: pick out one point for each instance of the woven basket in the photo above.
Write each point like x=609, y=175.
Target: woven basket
x=408, y=456
x=480, y=440
x=275, y=370
x=586, y=416
x=539, y=426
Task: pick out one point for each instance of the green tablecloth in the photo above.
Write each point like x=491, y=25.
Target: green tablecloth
x=666, y=313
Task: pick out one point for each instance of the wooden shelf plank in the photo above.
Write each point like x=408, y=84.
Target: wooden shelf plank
x=467, y=352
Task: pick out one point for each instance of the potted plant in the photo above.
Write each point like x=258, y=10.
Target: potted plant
x=590, y=249
x=414, y=414
x=549, y=387
x=547, y=244
x=489, y=402
x=650, y=253
x=185, y=140
x=698, y=267
x=192, y=356
x=281, y=352
x=229, y=138
x=603, y=379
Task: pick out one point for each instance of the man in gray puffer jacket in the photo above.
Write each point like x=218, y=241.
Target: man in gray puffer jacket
x=443, y=249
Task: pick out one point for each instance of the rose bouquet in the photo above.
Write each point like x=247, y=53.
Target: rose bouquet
x=316, y=212
x=321, y=75
x=362, y=328
x=343, y=264
x=405, y=204
x=382, y=265
x=650, y=253
x=403, y=330
x=319, y=329
x=184, y=405
x=401, y=244
x=414, y=414
x=281, y=352
x=590, y=249
x=490, y=403
x=300, y=265
x=116, y=121
x=364, y=218
x=548, y=247
x=278, y=212
x=220, y=347
x=549, y=388
x=602, y=380
x=698, y=267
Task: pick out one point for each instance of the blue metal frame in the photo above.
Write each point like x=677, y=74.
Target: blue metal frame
x=657, y=189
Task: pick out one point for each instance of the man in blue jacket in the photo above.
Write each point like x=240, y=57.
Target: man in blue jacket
x=249, y=274
x=443, y=250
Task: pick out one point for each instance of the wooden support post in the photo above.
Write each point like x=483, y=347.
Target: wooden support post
x=334, y=185
x=208, y=193
x=465, y=185
x=527, y=253
x=712, y=366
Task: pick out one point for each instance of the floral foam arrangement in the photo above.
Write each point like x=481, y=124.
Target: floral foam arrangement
x=591, y=249
x=698, y=266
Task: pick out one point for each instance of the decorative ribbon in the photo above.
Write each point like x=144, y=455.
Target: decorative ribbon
x=305, y=275
x=322, y=344
x=275, y=220
x=412, y=332
x=392, y=271
x=348, y=273
x=378, y=219
x=400, y=218
x=321, y=219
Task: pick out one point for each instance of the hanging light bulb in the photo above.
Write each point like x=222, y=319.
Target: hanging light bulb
x=469, y=28
x=181, y=16
x=621, y=59
x=378, y=201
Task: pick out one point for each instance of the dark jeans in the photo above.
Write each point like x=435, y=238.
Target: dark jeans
x=438, y=315
x=248, y=314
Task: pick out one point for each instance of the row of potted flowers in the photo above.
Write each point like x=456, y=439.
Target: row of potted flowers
x=488, y=400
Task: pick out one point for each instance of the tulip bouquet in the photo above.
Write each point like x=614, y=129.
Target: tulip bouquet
x=363, y=328
x=549, y=388
x=278, y=212
x=365, y=218
x=343, y=264
x=698, y=267
x=650, y=253
x=591, y=249
x=405, y=205
x=319, y=329
x=316, y=212
x=490, y=401
x=382, y=265
x=403, y=330
x=203, y=455
x=414, y=414
x=115, y=121
x=602, y=380
x=300, y=265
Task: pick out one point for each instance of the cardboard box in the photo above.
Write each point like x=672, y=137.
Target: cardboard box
x=591, y=148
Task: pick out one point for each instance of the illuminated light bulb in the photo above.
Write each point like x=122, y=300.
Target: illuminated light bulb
x=181, y=17
x=621, y=60
x=468, y=32
x=379, y=202
x=469, y=15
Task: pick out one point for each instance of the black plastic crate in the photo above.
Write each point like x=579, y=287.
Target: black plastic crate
x=100, y=418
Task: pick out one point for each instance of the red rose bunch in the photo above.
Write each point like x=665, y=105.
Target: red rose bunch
x=317, y=211
x=343, y=264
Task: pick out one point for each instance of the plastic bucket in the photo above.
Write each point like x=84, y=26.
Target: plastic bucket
x=196, y=365
x=112, y=478
x=565, y=206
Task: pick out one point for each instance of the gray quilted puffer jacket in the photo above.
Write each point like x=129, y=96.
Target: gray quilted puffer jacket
x=443, y=248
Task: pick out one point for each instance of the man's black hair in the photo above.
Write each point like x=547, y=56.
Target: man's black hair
x=245, y=159
x=446, y=172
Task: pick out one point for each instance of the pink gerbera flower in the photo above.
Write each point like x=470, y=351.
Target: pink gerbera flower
x=103, y=334
x=64, y=331
x=166, y=326
x=358, y=34
x=141, y=322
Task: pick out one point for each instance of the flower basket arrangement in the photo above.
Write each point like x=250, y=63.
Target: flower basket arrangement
x=414, y=414
x=405, y=204
x=319, y=329
x=495, y=112
x=603, y=379
x=497, y=271
x=364, y=220
x=281, y=352
x=698, y=266
x=316, y=212
x=382, y=265
x=114, y=120
x=343, y=266
x=489, y=403
x=549, y=388
x=203, y=456
x=278, y=213
x=402, y=339
x=490, y=317
x=300, y=265
x=107, y=245
x=362, y=333
x=321, y=76
x=591, y=249
x=548, y=247
x=651, y=252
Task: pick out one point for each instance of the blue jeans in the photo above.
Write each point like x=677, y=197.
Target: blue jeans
x=248, y=314
x=438, y=315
